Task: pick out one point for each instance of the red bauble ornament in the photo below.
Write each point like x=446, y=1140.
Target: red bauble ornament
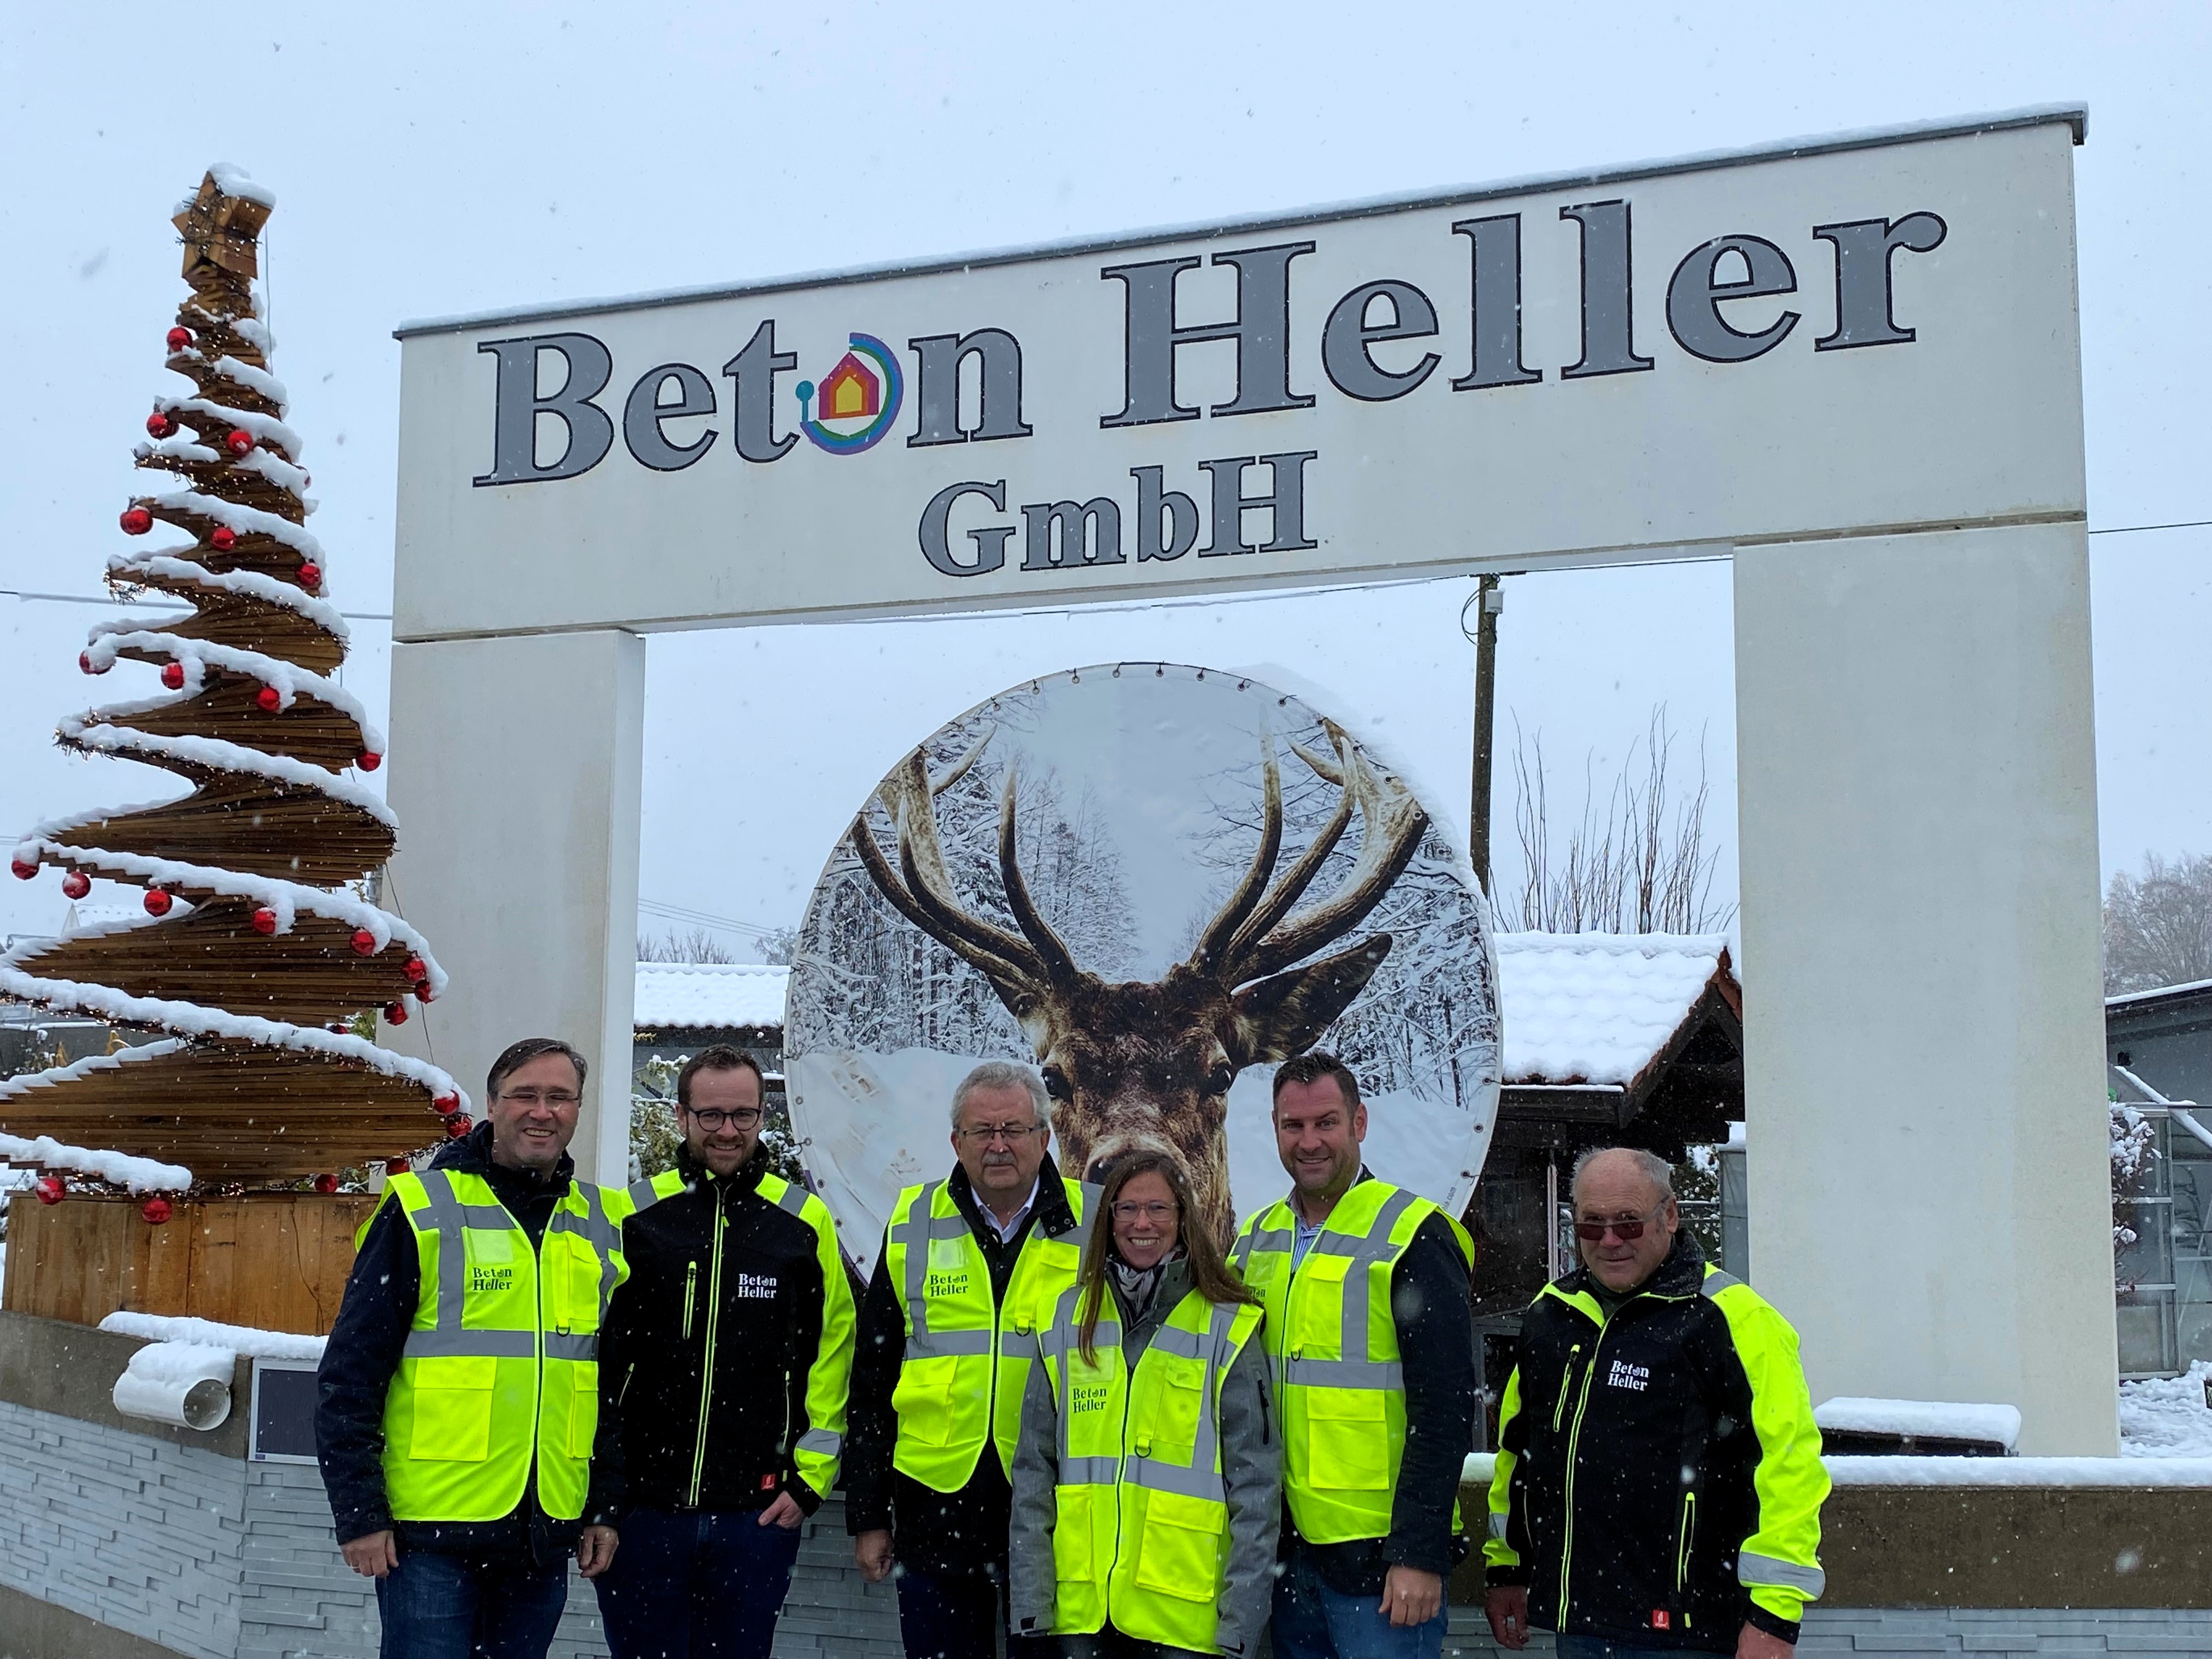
x=240, y=442
x=180, y=337
x=326, y=1183
x=159, y=424
x=369, y=761
x=172, y=676
x=417, y=969
x=422, y=993
x=364, y=942
x=84, y=663
x=24, y=868
x=446, y=1105
x=268, y=696
x=395, y=1166
x=156, y=1211
x=76, y=884
x=456, y=1126
x=136, y=521
x=158, y=904
x=395, y=1013
x=50, y=1189
x=223, y=538
x=310, y=575
x=264, y=919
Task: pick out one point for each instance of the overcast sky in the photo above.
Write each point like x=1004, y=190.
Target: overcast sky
x=432, y=160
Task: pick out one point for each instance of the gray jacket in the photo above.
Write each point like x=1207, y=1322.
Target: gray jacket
x=1251, y=1470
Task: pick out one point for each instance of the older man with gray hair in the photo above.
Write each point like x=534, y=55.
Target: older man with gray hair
x=1673, y=1391
x=971, y=1266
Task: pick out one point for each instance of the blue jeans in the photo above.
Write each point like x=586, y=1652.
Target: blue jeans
x=1312, y=1621
x=1604, y=1647
x=447, y=1607
x=958, y=1615
x=695, y=1585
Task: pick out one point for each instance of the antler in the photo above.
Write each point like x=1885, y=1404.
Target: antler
x=1249, y=939
x=922, y=889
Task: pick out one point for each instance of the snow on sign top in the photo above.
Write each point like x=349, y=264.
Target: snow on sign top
x=1942, y=1419
x=1597, y=1008
x=715, y=995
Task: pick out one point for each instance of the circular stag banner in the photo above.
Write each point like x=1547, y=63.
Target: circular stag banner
x=1155, y=884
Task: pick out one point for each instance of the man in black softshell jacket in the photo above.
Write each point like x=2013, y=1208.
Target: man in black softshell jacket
x=726, y=1358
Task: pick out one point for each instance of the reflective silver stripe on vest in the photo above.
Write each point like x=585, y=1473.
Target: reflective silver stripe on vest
x=562, y=1345
x=1081, y=1236
x=827, y=1442
x=948, y=1345
x=912, y=1231
x=1184, y=1345
x=1202, y=1483
x=473, y=1344
x=644, y=1194
x=1498, y=1519
x=1385, y=1373
x=1020, y=1345
x=1352, y=1368
x=1716, y=1281
x=1754, y=1570
x=602, y=1234
x=792, y=1199
x=1090, y=1471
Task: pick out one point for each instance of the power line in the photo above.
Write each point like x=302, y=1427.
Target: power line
x=702, y=918
x=2137, y=529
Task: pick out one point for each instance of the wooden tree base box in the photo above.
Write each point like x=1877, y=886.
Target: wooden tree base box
x=276, y=1261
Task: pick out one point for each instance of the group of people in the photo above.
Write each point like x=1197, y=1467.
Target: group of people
x=1067, y=1422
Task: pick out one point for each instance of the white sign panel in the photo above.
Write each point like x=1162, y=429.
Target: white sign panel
x=1870, y=334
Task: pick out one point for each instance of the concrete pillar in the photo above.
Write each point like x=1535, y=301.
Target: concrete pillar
x=518, y=855
x=1923, y=1037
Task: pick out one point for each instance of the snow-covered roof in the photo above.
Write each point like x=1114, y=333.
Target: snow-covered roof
x=710, y=994
x=2127, y=997
x=1597, y=1008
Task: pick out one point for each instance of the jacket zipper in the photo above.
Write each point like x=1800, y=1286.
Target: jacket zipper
x=1682, y=1551
x=1567, y=1385
x=706, y=1363
x=690, y=1295
x=1574, y=1439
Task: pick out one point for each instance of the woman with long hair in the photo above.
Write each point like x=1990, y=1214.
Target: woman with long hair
x=1147, y=1487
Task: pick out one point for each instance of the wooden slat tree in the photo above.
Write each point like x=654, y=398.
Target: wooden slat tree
x=259, y=955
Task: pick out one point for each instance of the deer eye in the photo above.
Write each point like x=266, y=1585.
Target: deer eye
x=1055, y=1084
x=1218, y=1079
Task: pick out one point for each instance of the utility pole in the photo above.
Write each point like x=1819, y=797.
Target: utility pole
x=1489, y=602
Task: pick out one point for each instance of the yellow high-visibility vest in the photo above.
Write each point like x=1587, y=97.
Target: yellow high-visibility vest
x=967, y=1359
x=828, y=1379
x=1334, y=1349
x=1141, y=1531
x=501, y=1367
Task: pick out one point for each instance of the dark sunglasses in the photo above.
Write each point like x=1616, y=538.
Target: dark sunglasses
x=1627, y=1231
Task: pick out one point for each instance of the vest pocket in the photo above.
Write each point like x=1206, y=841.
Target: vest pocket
x=1071, y=1560
x=452, y=1408
x=1181, y=1552
x=583, y=1410
x=922, y=1402
x=1347, y=1439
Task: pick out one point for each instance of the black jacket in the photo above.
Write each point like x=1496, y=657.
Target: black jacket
x=1430, y=1305
x=710, y=1397
x=1659, y=1477
x=941, y=1532
x=362, y=1356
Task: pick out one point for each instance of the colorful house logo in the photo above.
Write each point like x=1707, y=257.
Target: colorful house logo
x=857, y=401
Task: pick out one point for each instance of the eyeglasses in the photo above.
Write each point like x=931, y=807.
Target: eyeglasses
x=1627, y=1229
x=556, y=1098
x=1013, y=1133
x=1144, y=1212
x=745, y=1117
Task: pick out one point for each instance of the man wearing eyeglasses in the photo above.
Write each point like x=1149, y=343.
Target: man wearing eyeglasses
x=1659, y=1483
x=457, y=1404
x=727, y=1355
x=972, y=1265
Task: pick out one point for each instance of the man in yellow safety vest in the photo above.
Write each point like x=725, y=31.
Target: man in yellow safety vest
x=458, y=1393
x=1370, y=1329
x=972, y=1268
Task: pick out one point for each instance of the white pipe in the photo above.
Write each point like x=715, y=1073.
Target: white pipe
x=186, y=1383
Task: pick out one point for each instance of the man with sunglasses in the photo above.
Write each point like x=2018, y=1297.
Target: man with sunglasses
x=726, y=1358
x=972, y=1267
x=1675, y=1393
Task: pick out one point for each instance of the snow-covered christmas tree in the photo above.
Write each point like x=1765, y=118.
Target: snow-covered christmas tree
x=258, y=951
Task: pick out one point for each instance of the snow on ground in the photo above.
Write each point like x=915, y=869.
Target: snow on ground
x=2167, y=1417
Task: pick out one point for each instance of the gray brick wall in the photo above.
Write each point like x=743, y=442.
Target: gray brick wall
x=142, y=1534
x=832, y=1612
